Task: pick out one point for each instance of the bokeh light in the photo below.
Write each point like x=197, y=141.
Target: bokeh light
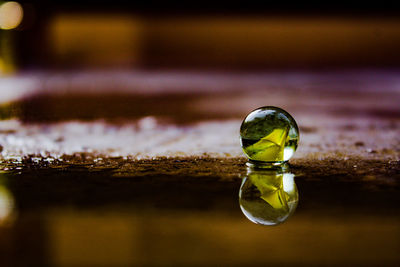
x=11, y=14
x=6, y=205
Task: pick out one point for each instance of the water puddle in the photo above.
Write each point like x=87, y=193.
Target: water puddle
x=78, y=216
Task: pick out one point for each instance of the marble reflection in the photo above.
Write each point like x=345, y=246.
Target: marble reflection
x=268, y=196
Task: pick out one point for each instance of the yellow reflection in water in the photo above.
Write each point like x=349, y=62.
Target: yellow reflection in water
x=268, y=196
x=11, y=14
x=7, y=204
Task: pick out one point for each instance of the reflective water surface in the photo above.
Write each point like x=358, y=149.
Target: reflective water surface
x=76, y=217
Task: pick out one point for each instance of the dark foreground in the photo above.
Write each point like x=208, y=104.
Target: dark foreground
x=168, y=212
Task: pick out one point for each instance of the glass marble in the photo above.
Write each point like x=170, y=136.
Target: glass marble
x=269, y=135
x=268, y=196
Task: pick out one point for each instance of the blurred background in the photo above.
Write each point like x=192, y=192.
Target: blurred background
x=207, y=34
x=74, y=58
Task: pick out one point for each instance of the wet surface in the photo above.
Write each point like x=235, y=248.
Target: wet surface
x=149, y=170
x=155, y=215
